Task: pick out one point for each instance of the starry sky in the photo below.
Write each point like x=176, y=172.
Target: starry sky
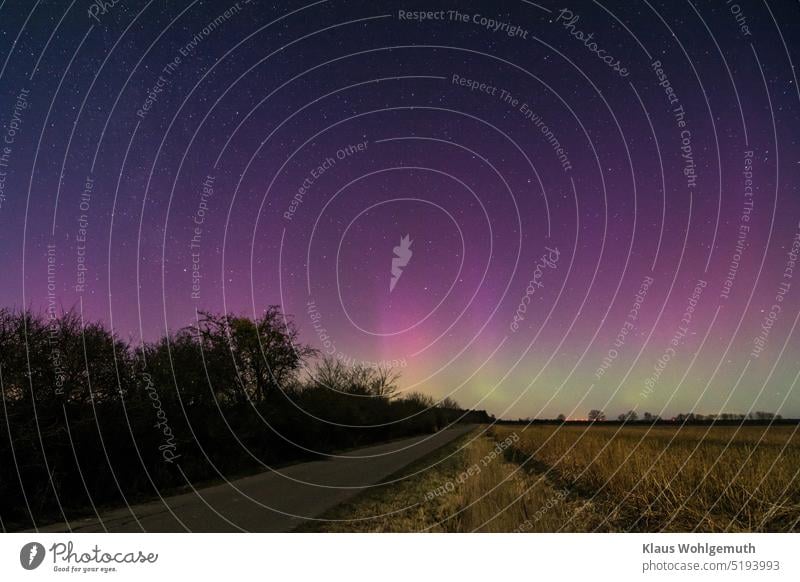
x=599, y=202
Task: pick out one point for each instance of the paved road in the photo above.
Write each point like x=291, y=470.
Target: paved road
x=277, y=502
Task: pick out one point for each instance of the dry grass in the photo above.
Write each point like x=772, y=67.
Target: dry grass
x=502, y=497
x=666, y=478
x=468, y=486
x=551, y=478
x=598, y=478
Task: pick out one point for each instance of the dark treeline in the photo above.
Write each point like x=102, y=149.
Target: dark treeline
x=89, y=419
x=646, y=419
x=660, y=422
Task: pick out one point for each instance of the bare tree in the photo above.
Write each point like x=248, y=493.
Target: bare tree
x=597, y=415
x=358, y=380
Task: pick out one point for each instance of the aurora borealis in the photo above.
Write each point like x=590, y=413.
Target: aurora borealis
x=599, y=203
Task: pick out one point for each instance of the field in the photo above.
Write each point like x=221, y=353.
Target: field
x=578, y=478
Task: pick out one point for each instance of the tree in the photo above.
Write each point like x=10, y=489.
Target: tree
x=597, y=415
x=357, y=380
x=629, y=416
x=257, y=357
x=449, y=404
x=419, y=400
x=760, y=415
x=203, y=394
x=179, y=360
x=58, y=359
x=561, y=418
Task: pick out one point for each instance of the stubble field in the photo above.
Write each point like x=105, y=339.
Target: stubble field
x=578, y=478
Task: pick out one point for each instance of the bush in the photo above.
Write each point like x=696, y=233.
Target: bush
x=89, y=421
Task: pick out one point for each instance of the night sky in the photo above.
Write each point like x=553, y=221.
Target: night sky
x=599, y=203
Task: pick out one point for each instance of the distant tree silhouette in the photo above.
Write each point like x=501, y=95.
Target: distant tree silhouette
x=760, y=415
x=597, y=415
x=449, y=403
x=420, y=399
